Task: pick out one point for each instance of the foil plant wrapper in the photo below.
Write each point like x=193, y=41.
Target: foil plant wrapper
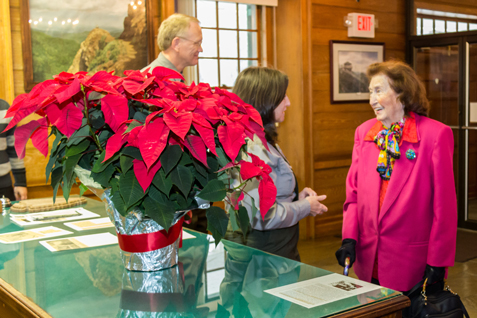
x=152, y=294
x=135, y=222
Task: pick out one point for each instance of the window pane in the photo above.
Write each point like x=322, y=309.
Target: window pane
x=248, y=44
x=451, y=26
x=247, y=63
x=209, y=43
x=228, y=72
x=418, y=26
x=428, y=26
x=227, y=15
x=208, y=72
x=228, y=43
x=206, y=13
x=247, y=16
x=440, y=26
x=462, y=26
x=472, y=26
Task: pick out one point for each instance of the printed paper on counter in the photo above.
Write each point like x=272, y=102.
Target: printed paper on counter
x=77, y=242
x=322, y=290
x=32, y=234
x=90, y=224
x=52, y=216
x=186, y=235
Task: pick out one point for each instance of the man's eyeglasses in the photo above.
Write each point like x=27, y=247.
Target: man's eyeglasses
x=197, y=44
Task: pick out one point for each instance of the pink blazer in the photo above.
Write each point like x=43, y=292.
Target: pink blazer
x=417, y=224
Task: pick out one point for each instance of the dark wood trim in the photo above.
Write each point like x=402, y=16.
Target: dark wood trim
x=26, y=45
x=151, y=54
x=385, y=308
x=14, y=304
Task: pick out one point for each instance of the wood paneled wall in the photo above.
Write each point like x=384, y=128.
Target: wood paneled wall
x=318, y=136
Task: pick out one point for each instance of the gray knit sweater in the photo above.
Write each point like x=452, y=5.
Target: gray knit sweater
x=8, y=157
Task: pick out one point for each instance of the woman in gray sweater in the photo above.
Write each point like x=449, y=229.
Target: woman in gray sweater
x=278, y=233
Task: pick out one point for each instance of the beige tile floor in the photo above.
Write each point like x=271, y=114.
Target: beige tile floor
x=462, y=277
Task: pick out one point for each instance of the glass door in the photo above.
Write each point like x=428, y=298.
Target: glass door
x=470, y=131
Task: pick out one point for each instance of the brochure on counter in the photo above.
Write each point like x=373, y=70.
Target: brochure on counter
x=33, y=234
x=78, y=242
x=322, y=290
x=52, y=216
x=90, y=224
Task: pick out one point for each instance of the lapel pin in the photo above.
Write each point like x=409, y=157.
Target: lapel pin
x=410, y=154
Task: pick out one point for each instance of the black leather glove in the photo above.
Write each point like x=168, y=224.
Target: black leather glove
x=434, y=274
x=347, y=249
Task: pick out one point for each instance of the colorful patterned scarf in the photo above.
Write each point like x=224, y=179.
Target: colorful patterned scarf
x=387, y=141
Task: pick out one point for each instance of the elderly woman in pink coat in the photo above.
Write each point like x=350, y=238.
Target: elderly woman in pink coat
x=400, y=214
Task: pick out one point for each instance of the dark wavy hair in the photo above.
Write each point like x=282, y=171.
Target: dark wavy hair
x=405, y=82
x=264, y=88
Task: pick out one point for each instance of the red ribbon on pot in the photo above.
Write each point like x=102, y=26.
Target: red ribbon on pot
x=140, y=243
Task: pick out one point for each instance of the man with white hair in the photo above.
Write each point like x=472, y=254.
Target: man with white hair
x=180, y=42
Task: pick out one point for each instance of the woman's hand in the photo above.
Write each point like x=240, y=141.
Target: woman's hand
x=307, y=192
x=316, y=207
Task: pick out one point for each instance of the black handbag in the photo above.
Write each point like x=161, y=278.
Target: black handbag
x=442, y=303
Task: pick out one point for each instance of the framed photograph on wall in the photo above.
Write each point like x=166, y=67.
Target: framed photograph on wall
x=84, y=35
x=348, y=64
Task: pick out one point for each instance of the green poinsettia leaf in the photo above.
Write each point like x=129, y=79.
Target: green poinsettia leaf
x=182, y=178
x=159, y=208
x=214, y=191
x=217, y=221
x=80, y=135
x=114, y=185
x=170, y=157
x=201, y=179
x=233, y=219
x=83, y=189
x=243, y=220
x=104, y=136
x=126, y=163
x=104, y=177
x=131, y=126
x=68, y=168
x=254, y=209
x=140, y=116
x=132, y=152
x=56, y=142
x=119, y=204
x=213, y=163
x=85, y=161
x=200, y=168
x=99, y=165
x=185, y=159
x=56, y=176
x=96, y=118
x=163, y=183
x=221, y=157
x=130, y=189
x=77, y=149
x=180, y=203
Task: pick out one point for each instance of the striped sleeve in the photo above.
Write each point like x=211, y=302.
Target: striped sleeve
x=8, y=157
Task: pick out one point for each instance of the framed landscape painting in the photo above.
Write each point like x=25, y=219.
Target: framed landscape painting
x=83, y=35
x=348, y=64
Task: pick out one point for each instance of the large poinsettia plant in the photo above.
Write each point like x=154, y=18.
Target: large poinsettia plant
x=154, y=141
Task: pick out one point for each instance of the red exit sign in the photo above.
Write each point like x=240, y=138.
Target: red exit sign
x=361, y=25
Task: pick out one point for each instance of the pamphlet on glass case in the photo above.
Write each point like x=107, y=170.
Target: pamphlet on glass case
x=52, y=216
x=32, y=234
x=90, y=224
x=77, y=242
x=322, y=290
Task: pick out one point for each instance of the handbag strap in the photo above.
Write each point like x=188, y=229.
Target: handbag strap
x=422, y=285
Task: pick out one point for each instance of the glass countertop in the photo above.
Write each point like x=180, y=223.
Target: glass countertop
x=228, y=280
